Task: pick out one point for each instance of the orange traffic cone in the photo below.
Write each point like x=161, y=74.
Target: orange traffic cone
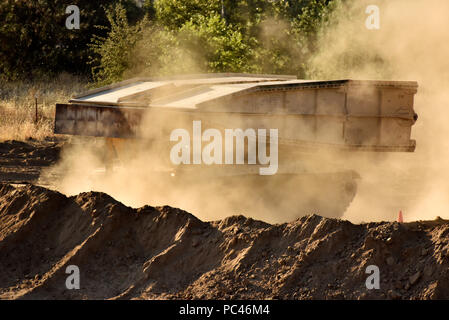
x=400, y=217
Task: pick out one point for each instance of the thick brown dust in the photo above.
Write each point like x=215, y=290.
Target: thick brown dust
x=411, y=44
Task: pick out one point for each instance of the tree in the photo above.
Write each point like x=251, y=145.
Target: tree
x=175, y=13
x=35, y=42
x=218, y=45
x=112, y=53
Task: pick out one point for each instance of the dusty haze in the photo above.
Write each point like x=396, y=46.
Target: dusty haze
x=411, y=44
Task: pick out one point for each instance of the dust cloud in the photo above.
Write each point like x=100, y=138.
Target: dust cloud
x=143, y=174
x=411, y=44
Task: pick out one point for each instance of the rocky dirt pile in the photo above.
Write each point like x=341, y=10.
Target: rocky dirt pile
x=167, y=253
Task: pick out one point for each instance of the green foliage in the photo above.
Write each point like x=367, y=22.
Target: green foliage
x=206, y=44
x=120, y=40
x=35, y=42
x=111, y=54
x=157, y=53
x=288, y=38
x=220, y=46
x=305, y=27
x=175, y=13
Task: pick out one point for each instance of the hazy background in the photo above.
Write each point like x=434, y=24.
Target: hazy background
x=312, y=39
x=411, y=44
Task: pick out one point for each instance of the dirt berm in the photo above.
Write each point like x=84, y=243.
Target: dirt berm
x=167, y=253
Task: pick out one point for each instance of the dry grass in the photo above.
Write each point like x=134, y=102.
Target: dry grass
x=17, y=106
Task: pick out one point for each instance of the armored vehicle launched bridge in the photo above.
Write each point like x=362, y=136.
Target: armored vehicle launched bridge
x=317, y=122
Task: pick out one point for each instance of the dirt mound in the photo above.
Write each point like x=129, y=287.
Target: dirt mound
x=167, y=253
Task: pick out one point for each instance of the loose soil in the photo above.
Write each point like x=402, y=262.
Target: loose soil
x=167, y=253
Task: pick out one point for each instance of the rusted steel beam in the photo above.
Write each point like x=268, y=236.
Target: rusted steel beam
x=98, y=121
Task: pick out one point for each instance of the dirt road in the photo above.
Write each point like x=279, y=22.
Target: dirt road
x=22, y=162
